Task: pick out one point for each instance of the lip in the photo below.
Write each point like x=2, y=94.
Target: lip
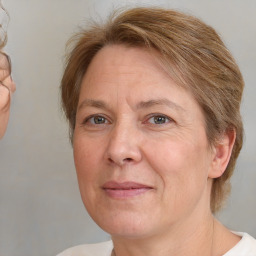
x=123, y=190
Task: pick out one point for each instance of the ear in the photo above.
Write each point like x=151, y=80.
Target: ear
x=221, y=153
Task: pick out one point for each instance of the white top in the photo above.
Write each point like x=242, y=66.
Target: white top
x=245, y=247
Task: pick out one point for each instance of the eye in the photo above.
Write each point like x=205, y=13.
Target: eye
x=159, y=119
x=98, y=120
x=95, y=120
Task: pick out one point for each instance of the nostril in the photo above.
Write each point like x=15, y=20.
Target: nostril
x=121, y=161
x=110, y=160
x=127, y=159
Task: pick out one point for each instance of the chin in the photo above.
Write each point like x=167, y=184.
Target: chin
x=129, y=225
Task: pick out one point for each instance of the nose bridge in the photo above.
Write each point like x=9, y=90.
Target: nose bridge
x=123, y=142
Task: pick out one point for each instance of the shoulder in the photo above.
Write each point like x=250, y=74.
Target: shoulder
x=99, y=249
x=246, y=246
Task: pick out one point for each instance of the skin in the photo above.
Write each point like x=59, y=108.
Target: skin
x=7, y=87
x=135, y=124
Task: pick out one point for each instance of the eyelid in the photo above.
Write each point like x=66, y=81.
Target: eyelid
x=159, y=115
x=148, y=117
x=86, y=119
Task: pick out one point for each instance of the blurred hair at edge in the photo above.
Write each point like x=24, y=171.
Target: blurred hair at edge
x=3, y=38
x=190, y=51
x=7, y=86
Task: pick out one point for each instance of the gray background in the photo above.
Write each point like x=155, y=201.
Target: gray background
x=40, y=208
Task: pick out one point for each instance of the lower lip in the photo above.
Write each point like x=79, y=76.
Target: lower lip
x=125, y=193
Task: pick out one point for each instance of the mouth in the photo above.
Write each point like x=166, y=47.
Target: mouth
x=125, y=189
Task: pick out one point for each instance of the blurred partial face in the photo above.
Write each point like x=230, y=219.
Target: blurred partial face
x=7, y=87
x=140, y=146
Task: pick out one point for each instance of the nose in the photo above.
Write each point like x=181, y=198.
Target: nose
x=124, y=145
x=13, y=85
x=10, y=83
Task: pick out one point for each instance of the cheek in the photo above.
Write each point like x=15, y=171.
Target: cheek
x=181, y=166
x=167, y=157
x=182, y=178
x=86, y=158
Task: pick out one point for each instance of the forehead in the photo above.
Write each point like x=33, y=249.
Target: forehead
x=117, y=65
x=126, y=74
x=120, y=64
x=125, y=57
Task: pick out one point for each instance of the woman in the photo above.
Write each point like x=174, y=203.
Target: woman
x=153, y=102
x=7, y=86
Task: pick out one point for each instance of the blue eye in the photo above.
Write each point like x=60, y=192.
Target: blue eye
x=159, y=119
x=95, y=120
x=98, y=120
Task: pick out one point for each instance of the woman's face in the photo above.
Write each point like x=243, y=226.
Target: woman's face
x=7, y=86
x=140, y=146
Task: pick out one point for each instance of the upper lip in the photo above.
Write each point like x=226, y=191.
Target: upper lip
x=124, y=185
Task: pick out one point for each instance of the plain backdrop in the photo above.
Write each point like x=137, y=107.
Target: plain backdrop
x=41, y=212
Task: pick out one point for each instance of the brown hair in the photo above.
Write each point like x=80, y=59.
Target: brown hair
x=190, y=51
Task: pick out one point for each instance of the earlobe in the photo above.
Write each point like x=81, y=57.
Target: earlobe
x=221, y=153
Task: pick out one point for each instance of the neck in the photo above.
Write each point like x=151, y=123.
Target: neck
x=193, y=237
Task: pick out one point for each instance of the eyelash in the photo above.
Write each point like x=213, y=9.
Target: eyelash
x=106, y=120
x=157, y=115
x=87, y=119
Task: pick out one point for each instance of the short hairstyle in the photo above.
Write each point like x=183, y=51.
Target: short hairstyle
x=190, y=51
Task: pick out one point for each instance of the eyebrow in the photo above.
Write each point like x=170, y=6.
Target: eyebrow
x=161, y=102
x=141, y=105
x=92, y=103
